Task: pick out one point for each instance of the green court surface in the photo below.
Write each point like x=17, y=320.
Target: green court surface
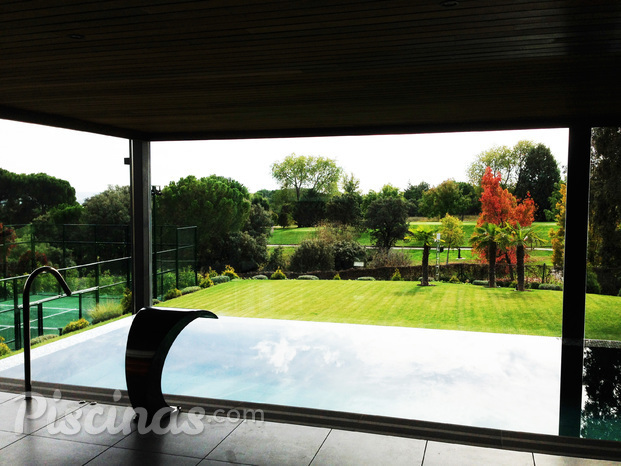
x=56, y=313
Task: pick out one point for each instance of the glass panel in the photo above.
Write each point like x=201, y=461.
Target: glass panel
x=601, y=416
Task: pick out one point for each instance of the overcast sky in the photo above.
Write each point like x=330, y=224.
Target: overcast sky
x=92, y=162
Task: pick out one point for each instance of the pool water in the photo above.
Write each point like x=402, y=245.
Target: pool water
x=479, y=379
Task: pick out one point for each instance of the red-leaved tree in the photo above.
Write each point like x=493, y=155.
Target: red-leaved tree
x=500, y=207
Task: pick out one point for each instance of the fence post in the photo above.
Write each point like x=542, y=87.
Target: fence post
x=80, y=306
x=543, y=273
x=97, y=283
x=177, y=259
x=195, y=256
x=16, y=317
x=40, y=319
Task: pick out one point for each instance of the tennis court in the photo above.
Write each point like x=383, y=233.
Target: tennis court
x=55, y=312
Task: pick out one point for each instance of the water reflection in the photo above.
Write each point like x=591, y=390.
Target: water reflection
x=479, y=379
x=601, y=411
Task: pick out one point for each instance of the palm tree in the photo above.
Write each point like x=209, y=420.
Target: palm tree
x=427, y=237
x=519, y=237
x=488, y=236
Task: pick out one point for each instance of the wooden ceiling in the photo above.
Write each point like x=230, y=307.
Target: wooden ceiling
x=170, y=70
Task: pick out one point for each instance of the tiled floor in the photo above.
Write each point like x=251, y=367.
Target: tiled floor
x=54, y=431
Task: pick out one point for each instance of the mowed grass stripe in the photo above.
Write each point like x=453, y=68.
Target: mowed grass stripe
x=445, y=306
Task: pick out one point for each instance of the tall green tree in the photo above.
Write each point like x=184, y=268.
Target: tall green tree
x=111, y=207
x=605, y=205
x=387, y=218
x=218, y=206
x=413, y=194
x=538, y=176
x=298, y=172
x=25, y=197
x=446, y=198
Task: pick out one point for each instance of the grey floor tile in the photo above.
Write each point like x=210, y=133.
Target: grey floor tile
x=445, y=454
x=22, y=416
x=196, y=444
x=6, y=438
x=219, y=463
x=355, y=448
x=98, y=424
x=122, y=457
x=33, y=451
x=5, y=396
x=550, y=460
x=269, y=443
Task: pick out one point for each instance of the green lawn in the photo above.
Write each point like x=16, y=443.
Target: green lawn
x=445, y=306
x=296, y=235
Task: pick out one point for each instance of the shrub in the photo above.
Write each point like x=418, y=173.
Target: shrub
x=190, y=289
x=172, y=294
x=550, y=286
x=366, y=279
x=278, y=275
x=308, y=277
x=592, y=284
x=338, y=277
x=396, y=277
x=534, y=285
x=4, y=349
x=480, y=282
x=220, y=279
x=276, y=259
x=454, y=279
x=105, y=311
x=230, y=272
x=127, y=301
x=210, y=273
x=312, y=254
x=75, y=325
x=390, y=259
x=346, y=253
x=259, y=277
x=205, y=282
x=40, y=339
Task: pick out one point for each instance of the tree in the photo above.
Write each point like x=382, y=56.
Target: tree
x=488, y=236
x=500, y=159
x=452, y=233
x=499, y=207
x=26, y=197
x=557, y=237
x=345, y=208
x=387, y=218
x=519, y=237
x=413, y=194
x=446, y=198
x=537, y=177
x=319, y=174
x=427, y=237
x=259, y=221
x=111, y=207
x=218, y=206
x=605, y=203
x=350, y=184
x=310, y=210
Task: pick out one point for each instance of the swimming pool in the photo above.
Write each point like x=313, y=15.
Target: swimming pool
x=479, y=379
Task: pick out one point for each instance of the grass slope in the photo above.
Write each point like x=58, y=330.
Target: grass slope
x=445, y=306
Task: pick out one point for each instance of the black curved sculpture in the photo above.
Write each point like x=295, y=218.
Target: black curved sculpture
x=26, y=318
x=151, y=335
